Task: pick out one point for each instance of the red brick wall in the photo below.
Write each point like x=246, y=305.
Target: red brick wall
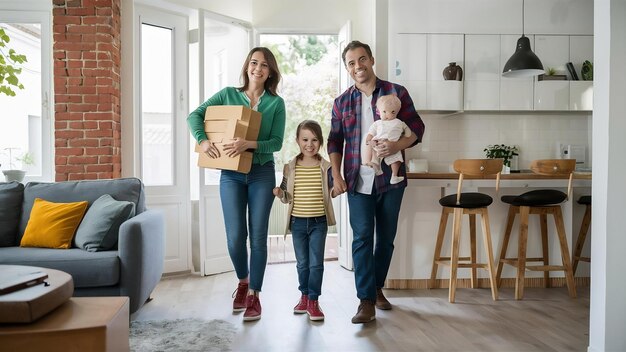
x=86, y=54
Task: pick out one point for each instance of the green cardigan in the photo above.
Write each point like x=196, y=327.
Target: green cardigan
x=271, y=133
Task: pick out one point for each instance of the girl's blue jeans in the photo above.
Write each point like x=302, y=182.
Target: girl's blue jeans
x=309, y=239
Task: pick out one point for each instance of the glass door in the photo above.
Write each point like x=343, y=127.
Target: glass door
x=162, y=131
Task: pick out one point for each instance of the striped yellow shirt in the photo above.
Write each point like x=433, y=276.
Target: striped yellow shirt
x=308, y=199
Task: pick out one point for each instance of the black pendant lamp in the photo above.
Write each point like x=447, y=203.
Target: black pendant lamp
x=523, y=63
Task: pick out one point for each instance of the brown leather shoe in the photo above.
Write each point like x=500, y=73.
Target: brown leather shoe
x=365, y=313
x=381, y=301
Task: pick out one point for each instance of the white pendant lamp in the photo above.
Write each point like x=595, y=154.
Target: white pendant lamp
x=523, y=63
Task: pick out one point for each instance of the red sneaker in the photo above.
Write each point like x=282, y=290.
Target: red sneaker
x=314, y=310
x=302, y=305
x=239, y=303
x=253, y=308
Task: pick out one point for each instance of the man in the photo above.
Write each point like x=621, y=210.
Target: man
x=374, y=202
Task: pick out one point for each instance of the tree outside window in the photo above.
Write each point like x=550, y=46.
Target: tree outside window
x=309, y=65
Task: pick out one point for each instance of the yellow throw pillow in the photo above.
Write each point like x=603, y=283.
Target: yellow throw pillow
x=53, y=225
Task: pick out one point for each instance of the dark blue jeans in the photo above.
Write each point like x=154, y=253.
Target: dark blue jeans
x=309, y=239
x=368, y=214
x=250, y=192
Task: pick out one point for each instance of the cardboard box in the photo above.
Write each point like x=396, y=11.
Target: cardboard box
x=222, y=124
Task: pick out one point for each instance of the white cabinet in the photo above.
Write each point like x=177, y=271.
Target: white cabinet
x=515, y=93
x=581, y=95
x=555, y=51
x=581, y=92
x=482, y=67
x=485, y=88
x=409, y=66
x=418, y=61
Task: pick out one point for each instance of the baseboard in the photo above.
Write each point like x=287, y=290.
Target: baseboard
x=412, y=284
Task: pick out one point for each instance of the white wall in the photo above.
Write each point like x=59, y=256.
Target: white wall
x=239, y=9
x=319, y=16
x=466, y=135
x=492, y=16
x=608, y=243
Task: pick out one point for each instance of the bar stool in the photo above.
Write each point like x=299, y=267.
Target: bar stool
x=582, y=235
x=470, y=203
x=539, y=202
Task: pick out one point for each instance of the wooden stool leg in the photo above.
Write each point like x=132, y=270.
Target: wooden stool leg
x=472, y=226
x=521, y=252
x=560, y=229
x=437, y=256
x=543, y=222
x=484, y=215
x=505, y=241
x=454, y=256
x=582, y=235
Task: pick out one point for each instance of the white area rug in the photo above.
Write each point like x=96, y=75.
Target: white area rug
x=181, y=335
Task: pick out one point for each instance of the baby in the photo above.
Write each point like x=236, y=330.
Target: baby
x=389, y=128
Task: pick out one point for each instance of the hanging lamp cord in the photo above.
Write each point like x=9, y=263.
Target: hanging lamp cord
x=523, y=18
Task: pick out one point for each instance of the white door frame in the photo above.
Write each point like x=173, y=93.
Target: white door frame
x=214, y=257
x=344, y=251
x=173, y=200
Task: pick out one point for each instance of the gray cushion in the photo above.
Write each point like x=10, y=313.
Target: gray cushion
x=88, y=269
x=126, y=189
x=11, y=196
x=100, y=227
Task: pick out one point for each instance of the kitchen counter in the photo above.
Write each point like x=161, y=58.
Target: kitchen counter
x=512, y=176
x=420, y=213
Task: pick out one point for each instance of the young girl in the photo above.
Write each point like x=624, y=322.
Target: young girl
x=305, y=187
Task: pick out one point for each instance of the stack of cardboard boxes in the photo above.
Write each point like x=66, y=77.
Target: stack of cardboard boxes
x=222, y=124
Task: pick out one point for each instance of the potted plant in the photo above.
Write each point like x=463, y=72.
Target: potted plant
x=551, y=75
x=504, y=152
x=587, y=71
x=13, y=173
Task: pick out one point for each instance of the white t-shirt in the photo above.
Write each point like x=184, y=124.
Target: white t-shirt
x=365, y=181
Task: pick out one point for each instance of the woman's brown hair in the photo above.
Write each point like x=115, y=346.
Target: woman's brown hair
x=271, y=84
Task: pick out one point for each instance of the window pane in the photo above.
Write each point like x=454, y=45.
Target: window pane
x=157, y=93
x=20, y=121
x=305, y=61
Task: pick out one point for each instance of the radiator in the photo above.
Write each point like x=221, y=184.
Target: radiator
x=278, y=218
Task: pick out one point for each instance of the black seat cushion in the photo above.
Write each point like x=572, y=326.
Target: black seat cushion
x=468, y=200
x=538, y=197
x=586, y=200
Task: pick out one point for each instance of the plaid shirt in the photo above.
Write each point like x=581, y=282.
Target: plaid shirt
x=346, y=128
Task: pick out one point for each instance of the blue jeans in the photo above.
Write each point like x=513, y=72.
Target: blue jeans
x=252, y=192
x=309, y=238
x=369, y=213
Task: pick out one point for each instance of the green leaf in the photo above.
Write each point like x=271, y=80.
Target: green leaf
x=10, y=67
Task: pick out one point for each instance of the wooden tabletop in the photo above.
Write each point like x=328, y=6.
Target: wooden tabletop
x=512, y=176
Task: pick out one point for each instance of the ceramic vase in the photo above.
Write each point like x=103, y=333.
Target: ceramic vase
x=14, y=175
x=453, y=72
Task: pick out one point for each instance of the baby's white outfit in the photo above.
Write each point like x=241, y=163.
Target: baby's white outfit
x=390, y=130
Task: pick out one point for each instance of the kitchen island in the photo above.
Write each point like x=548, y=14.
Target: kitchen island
x=419, y=222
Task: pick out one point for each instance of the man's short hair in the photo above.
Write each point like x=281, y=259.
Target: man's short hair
x=353, y=45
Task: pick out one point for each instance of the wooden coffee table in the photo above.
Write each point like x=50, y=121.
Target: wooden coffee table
x=26, y=305
x=81, y=324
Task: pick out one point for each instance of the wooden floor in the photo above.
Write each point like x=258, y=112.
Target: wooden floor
x=421, y=320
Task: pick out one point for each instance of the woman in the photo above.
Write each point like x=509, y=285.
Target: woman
x=252, y=191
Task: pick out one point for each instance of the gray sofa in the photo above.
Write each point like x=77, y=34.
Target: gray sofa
x=132, y=268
